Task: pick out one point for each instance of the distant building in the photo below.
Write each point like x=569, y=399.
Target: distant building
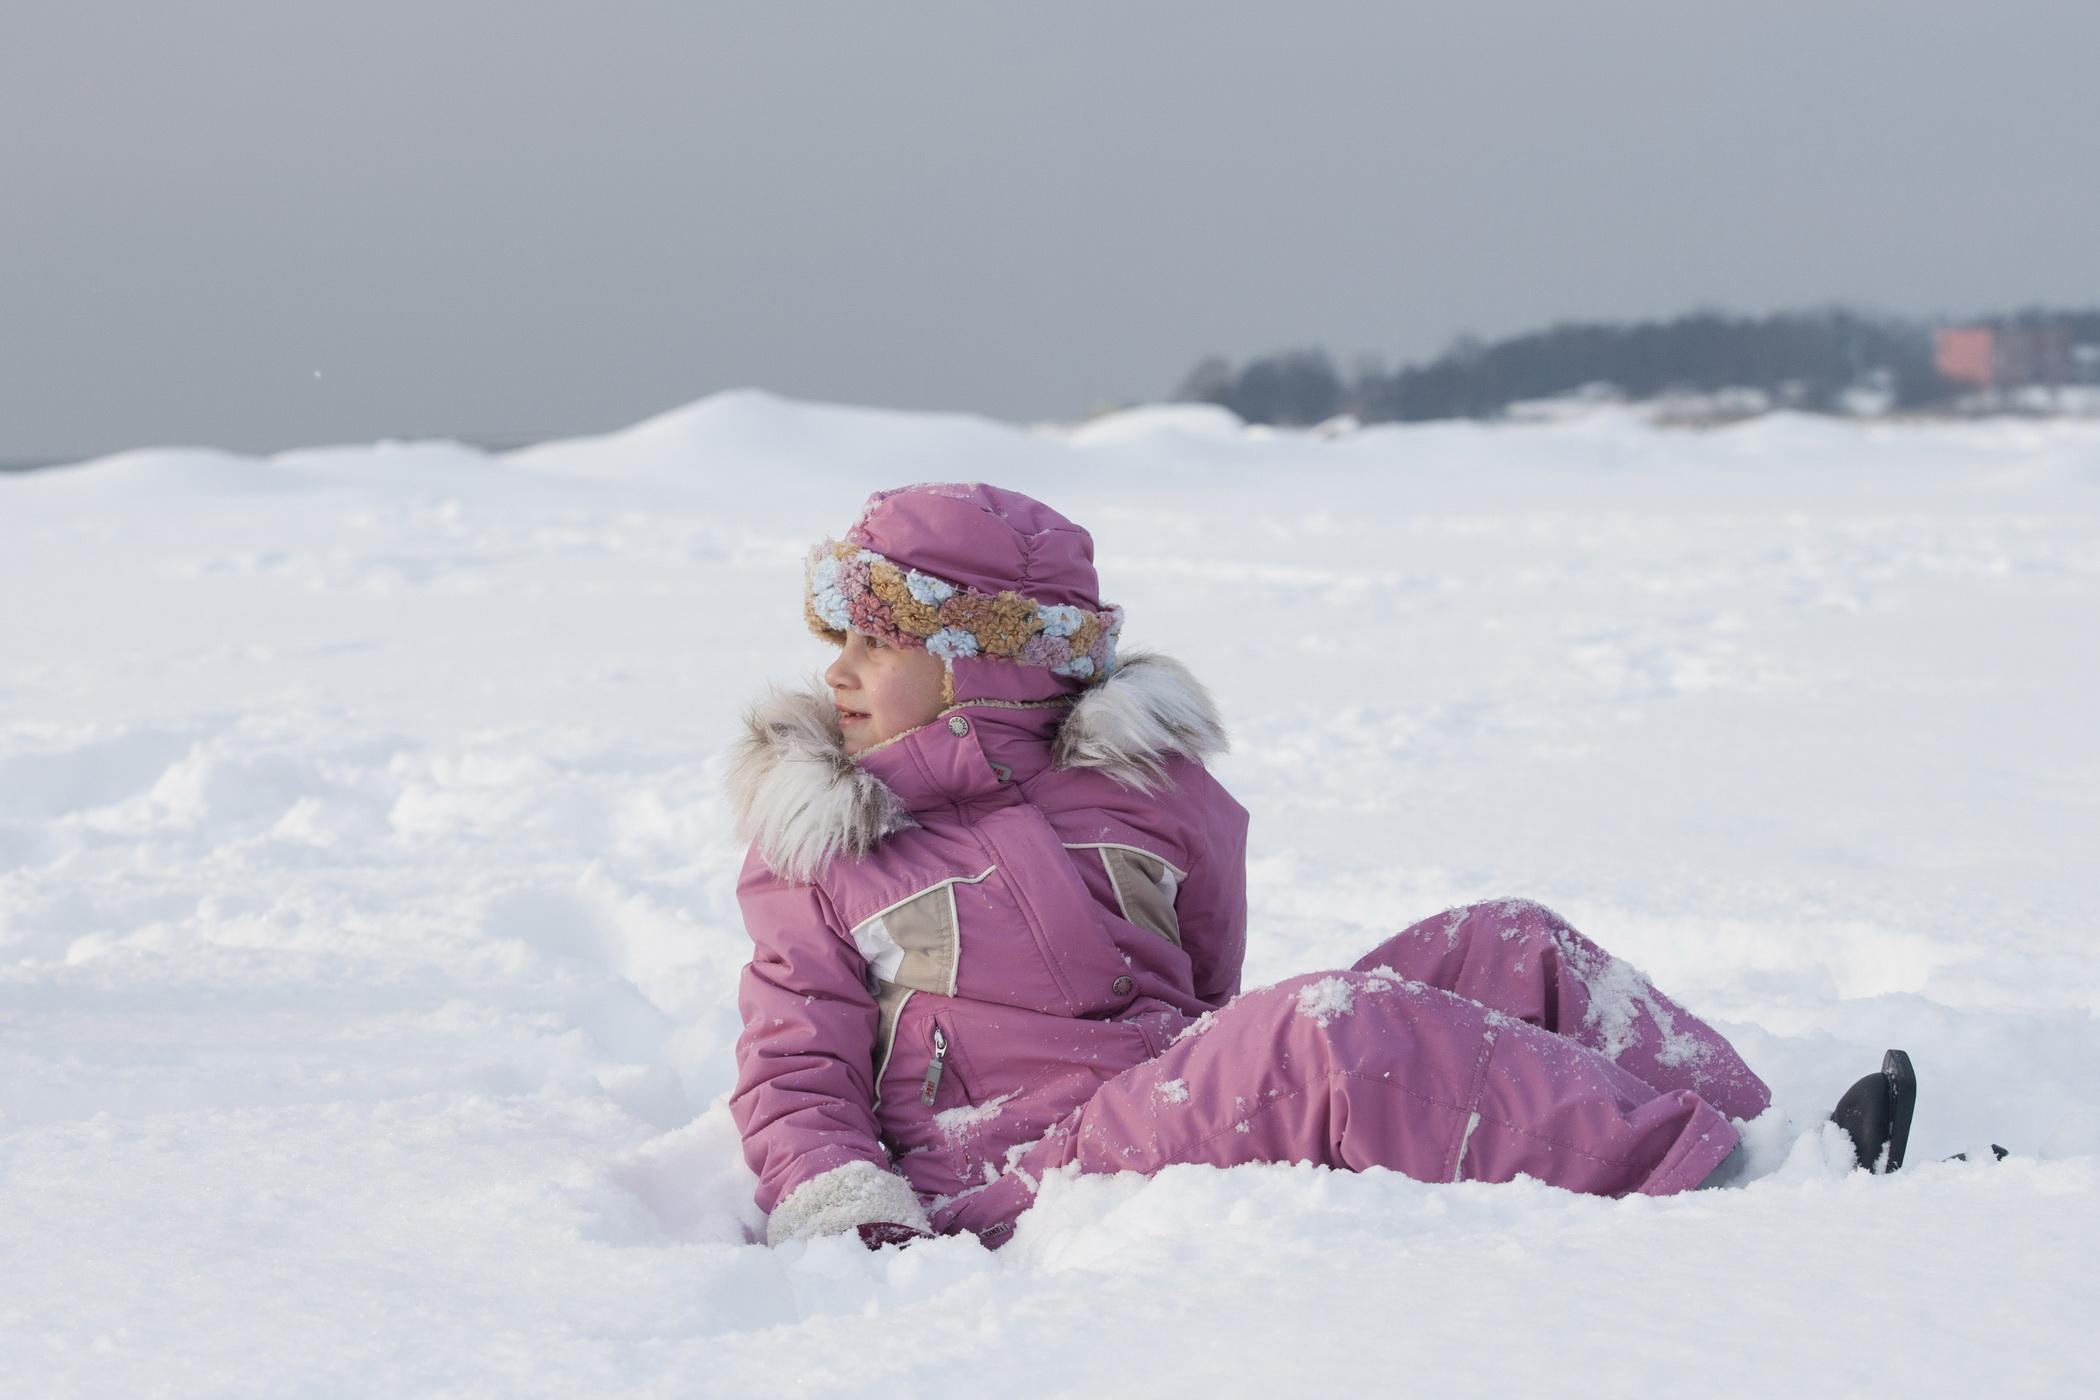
x=2009, y=354
x=1965, y=355
x=2037, y=352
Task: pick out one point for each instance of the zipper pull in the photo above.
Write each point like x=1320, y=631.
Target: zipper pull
x=932, y=1086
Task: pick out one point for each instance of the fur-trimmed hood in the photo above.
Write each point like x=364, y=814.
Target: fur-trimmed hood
x=801, y=800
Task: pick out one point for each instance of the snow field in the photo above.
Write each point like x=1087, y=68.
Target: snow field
x=368, y=938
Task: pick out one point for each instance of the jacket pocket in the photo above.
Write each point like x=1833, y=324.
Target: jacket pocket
x=942, y=1081
x=965, y=1132
x=916, y=941
x=902, y=1039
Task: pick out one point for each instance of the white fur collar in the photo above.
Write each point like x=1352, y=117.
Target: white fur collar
x=802, y=801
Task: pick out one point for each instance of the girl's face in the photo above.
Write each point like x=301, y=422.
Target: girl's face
x=882, y=690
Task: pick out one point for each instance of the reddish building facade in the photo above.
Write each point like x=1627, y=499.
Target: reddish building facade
x=1964, y=355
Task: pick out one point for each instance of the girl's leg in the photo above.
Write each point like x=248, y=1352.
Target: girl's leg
x=1359, y=1069
x=1524, y=960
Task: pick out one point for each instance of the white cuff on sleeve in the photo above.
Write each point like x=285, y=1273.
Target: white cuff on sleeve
x=851, y=1194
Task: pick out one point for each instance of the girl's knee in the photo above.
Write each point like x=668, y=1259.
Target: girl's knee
x=1312, y=1008
x=1317, y=996
x=1527, y=912
x=1510, y=921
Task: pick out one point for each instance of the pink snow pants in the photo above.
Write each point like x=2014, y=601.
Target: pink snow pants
x=1487, y=1042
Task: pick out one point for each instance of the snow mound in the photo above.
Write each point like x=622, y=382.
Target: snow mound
x=1202, y=422
x=369, y=939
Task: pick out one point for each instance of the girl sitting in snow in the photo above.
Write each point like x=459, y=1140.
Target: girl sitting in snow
x=999, y=909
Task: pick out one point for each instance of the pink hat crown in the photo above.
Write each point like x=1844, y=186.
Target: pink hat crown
x=966, y=569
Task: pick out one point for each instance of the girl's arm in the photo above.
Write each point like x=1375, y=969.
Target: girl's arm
x=805, y=1065
x=1211, y=904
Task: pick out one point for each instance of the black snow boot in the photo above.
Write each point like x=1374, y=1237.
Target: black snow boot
x=1876, y=1112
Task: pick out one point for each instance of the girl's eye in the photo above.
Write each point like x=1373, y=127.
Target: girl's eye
x=874, y=644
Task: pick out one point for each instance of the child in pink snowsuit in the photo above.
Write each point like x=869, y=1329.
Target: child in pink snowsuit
x=999, y=909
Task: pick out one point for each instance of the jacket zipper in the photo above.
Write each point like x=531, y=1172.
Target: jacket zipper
x=934, y=1070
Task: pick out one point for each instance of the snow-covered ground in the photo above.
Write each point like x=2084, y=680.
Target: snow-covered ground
x=368, y=939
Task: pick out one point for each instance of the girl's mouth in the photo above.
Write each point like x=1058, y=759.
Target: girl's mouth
x=847, y=716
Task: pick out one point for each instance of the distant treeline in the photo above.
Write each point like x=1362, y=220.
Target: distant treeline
x=1800, y=359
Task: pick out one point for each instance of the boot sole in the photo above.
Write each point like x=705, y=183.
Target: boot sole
x=1902, y=1083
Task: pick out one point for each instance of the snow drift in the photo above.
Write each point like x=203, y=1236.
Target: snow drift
x=368, y=940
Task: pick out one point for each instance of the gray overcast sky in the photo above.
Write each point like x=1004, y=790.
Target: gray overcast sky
x=480, y=217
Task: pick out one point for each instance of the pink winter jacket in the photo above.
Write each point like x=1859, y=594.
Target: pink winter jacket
x=962, y=933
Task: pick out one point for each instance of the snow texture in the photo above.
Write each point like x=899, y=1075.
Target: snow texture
x=369, y=943
x=1196, y=1027
x=959, y=1122
x=1620, y=998
x=1326, y=999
